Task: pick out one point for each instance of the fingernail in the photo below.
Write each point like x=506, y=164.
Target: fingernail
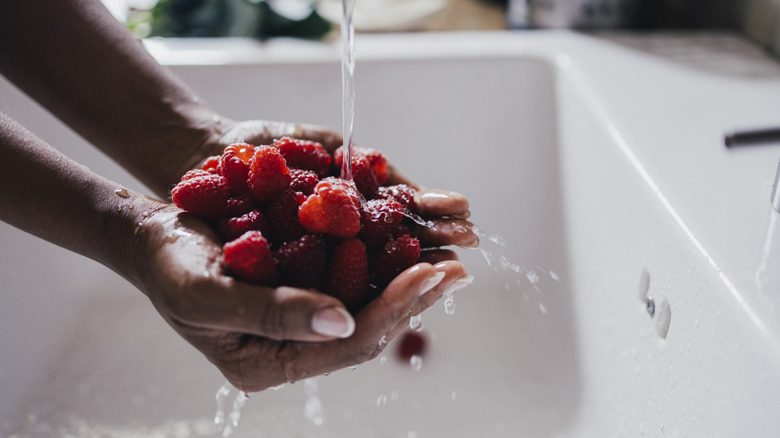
x=333, y=321
x=473, y=244
x=432, y=282
x=459, y=284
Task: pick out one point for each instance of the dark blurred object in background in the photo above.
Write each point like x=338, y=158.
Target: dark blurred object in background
x=245, y=18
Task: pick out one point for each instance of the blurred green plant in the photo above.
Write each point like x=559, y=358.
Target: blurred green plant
x=222, y=18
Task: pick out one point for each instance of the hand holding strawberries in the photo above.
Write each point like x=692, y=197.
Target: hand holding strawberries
x=311, y=259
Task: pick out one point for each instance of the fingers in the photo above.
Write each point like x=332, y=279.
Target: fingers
x=265, y=132
x=455, y=279
x=437, y=255
x=284, y=313
x=441, y=232
x=436, y=203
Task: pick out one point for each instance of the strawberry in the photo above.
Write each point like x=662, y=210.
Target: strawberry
x=333, y=208
x=282, y=217
x=303, y=181
x=232, y=228
x=268, y=173
x=249, y=259
x=401, y=193
x=205, y=196
x=396, y=256
x=302, y=263
x=347, y=276
x=234, y=166
x=305, y=155
x=378, y=220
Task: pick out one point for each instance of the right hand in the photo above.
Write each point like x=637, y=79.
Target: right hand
x=261, y=337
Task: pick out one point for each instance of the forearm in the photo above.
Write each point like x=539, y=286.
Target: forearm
x=75, y=59
x=51, y=196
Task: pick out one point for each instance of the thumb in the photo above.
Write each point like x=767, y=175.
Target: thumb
x=283, y=313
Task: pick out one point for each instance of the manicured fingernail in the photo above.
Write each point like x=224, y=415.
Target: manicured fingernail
x=432, y=282
x=473, y=244
x=333, y=321
x=459, y=284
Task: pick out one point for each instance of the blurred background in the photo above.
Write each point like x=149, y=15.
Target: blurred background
x=759, y=20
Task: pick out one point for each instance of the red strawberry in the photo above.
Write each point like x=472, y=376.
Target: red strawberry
x=401, y=193
x=205, y=196
x=303, y=181
x=347, y=276
x=211, y=164
x=333, y=208
x=250, y=260
x=232, y=228
x=304, y=154
x=268, y=173
x=234, y=166
x=302, y=263
x=282, y=217
x=396, y=256
x=379, y=220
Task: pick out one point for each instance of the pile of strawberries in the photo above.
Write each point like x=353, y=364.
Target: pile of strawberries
x=285, y=218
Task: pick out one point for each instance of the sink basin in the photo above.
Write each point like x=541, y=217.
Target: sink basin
x=624, y=286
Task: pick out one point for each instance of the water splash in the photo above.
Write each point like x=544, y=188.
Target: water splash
x=312, y=410
x=381, y=401
x=416, y=361
x=226, y=423
x=347, y=84
x=415, y=322
x=449, y=304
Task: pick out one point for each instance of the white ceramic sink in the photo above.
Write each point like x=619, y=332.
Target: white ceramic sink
x=601, y=168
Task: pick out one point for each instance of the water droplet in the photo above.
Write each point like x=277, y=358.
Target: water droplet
x=122, y=192
x=277, y=388
x=664, y=319
x=543, y=309
x=650, y=306
x=449, y=305
x=312, y=410
x=195, y=99
x=415, y=322
x=216, y=119
x=416, y=362
x=644, y=285
x=394, y=395
x=554, y=275
x=498, y=240
x=353, y=367
x=227, y=424
x=382, y=342
x=453, y=395
x=382, y=360
x=381, y=401
x=533, y=277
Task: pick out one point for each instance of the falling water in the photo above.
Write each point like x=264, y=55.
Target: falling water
x=347, y=85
